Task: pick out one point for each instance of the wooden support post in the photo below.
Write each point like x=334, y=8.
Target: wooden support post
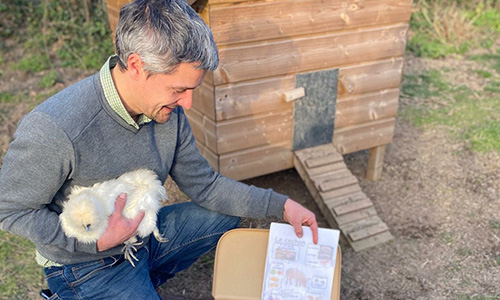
x=375, y=163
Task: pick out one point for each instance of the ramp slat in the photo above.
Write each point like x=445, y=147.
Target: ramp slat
x=321, y=161
x=339, y=196
x=368, y=231
x=356, y=216
x=335, y=184
x=353, y=206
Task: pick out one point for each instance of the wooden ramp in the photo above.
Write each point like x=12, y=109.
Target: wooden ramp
x=339, y=196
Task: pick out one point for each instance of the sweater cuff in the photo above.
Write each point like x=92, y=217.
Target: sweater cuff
x=276, y=205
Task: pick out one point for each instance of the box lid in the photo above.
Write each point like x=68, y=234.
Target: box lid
x=240, y=261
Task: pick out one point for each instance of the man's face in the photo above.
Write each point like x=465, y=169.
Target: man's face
x=161, y=93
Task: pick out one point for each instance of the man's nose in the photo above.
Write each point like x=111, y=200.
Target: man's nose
x=187, y=99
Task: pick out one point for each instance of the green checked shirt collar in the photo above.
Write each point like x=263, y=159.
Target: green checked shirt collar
x=112, y=96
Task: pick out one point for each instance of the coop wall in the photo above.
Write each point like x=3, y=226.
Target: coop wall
x=240, y=121
x=239, y=118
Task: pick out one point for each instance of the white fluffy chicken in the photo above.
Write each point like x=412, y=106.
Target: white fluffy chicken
x=86, y=212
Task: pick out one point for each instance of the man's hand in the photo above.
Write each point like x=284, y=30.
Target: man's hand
x=119, y=228
x=297, y=215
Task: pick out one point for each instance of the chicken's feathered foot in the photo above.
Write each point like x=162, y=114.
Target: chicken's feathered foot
x=129, y=249
x=130, y=246
x=159, y=237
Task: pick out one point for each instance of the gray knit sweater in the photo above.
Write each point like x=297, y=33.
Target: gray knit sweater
x=75, y=138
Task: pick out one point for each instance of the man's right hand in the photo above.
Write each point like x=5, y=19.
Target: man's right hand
x=119, y=228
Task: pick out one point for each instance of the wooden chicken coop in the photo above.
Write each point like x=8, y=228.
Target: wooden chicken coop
x=301, y=82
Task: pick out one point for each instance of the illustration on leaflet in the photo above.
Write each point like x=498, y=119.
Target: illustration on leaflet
x=298, y=269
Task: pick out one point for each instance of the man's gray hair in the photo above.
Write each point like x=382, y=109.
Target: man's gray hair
x=164, y=33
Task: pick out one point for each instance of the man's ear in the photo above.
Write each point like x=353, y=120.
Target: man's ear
x=135, y=66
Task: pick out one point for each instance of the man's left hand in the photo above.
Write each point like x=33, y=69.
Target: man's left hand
x=297, y=215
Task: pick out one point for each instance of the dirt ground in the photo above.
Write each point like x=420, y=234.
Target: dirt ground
x=440, y=200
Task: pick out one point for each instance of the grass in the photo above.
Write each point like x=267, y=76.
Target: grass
x=63, y=33
x=494, y=224
x=49, y=80
x=468, y=116
x=20, y=273
x=440, y=29
x=8, y=97
x=57, y=32
x=447, y=237
x=478, y=297
x=33, y=63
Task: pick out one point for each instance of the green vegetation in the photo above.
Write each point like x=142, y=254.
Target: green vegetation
x=439, y=30
x=50, y=35
x=469, y=116
x=447, y=237
x=478, y=297
x=465, y=251
x=73, y=33
x=495, y=224
x=7, y=97
x=19, y=274
x=33, y=63
x=454, y=27
x=49, y=80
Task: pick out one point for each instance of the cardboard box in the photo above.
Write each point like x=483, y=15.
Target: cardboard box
x=240, y=261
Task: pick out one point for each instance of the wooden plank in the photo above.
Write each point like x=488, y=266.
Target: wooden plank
x=345, y=199
x=354, y=213
x=266, y=20
x=204, y=130
x=267, y=59
x=328, y=176
x=370, y=76
x=350, y=189
x=314, y=192
x=294, y=94
x=257, y=161
x=203, y=100
x=366, y=107
x=257, y=130
x=331, y=180
x=375, y=163
x=356, y=216
x=314, y=162
x=253, y=97
x=368, y=231
x=336, y=184
x=318, y=152
x=372, y=241
x=352, y=207
x=355, y=226
x=113, y=10
x=327, y=168
x=364, y=136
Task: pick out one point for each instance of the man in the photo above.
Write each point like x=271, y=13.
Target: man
x=129, y=116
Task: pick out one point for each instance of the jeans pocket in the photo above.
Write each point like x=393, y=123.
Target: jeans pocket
x=85, y=271
x=52, y=271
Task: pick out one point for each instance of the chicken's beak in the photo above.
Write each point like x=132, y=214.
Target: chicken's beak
x=87, y=227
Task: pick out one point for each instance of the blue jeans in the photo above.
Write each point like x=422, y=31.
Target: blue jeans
x=191, y=231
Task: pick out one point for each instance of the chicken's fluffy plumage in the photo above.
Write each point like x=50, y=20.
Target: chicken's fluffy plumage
x=86, y=212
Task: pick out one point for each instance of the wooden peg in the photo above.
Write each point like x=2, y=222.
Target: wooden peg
x=294, y=94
